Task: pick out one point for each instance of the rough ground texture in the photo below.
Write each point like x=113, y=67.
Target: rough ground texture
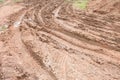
x=106, y=6
x=49, y=40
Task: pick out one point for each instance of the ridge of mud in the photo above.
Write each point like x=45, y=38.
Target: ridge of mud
x=53, y=41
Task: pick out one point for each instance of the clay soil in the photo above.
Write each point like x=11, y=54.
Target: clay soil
x=51, y=40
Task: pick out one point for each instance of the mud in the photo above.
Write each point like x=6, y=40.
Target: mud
x=51, y=40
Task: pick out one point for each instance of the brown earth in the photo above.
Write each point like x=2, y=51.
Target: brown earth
x=104, y=6
x=50, y=40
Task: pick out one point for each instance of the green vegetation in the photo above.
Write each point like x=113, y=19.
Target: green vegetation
x=2, y=28
x=1, y=1
x=82, y=4
x=17, y=0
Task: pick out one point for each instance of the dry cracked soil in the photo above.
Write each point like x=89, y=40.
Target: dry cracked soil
x=52, y=40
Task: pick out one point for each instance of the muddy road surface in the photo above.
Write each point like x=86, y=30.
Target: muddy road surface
x=51, y=40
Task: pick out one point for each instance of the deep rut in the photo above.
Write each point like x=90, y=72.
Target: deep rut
x=54, y=41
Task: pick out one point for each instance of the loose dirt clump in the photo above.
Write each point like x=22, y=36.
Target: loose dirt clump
x=105, y=6
x=50, y=40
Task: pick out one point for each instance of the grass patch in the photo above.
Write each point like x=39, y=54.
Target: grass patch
x=1, y=1
x=17, y=0
x=3, y=28
x=82, y=4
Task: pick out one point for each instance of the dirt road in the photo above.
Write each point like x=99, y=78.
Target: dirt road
x=51, y=40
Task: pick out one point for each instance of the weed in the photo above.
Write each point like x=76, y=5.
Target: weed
x=1, y=1
x=17, y=0
x=3, y=28
x=82, y=4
